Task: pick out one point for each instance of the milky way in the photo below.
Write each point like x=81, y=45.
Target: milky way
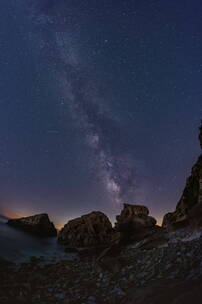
x=100, y=103
x=115, y=168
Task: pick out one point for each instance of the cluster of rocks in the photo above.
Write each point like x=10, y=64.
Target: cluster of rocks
x=95, y=229
x=92, y=229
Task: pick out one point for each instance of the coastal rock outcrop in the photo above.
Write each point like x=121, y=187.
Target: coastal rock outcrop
x=38, y=224
x=91, y=229
x=134, y=218
x=133, y=224
x=157, y=274
x=189, y=208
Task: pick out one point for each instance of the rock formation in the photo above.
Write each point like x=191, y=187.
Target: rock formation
x=133, y=218
x=37, y=224
x=92, y=229
x=133, y=224
x=189, y=208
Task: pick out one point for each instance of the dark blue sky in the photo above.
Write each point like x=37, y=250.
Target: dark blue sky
x=100, y=102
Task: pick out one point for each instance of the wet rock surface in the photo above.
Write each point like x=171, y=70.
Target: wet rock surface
x=136, y=275
x=38, y=224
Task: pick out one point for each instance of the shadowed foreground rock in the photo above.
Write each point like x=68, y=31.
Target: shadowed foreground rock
x=92, y=229
x=189, y=208
x=38, y=224
x=167, y=292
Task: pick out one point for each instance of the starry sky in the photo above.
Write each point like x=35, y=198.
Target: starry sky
x=100, y=103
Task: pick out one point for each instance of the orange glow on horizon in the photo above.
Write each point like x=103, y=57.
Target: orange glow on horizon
x=60, y=224
x=11, y=215
x=14, y=214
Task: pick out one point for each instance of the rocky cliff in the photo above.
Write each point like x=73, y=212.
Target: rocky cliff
x=38, y=224
x=189, y=208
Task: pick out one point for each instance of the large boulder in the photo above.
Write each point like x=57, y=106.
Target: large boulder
x=133, y=225
x=92, y=229
x=134, y=218
x=189, y=208
x=38, y=224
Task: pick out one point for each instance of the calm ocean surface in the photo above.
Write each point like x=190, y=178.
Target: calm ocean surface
x=18, y=246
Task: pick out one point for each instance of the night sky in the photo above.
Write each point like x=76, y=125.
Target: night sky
x=100, y=103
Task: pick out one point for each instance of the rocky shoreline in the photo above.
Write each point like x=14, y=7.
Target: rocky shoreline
x=112, y=279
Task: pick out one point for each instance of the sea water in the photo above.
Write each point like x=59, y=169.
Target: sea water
x=19, y=246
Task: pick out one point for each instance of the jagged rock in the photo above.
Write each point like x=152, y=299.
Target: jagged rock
x=134, y=218
x=38, y=224
x=133, y=225
x=189, y=208
x=92, y=229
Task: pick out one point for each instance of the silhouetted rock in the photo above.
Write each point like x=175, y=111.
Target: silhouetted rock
x=134, y=218
x=133, y=225
x=92, y=229
x=38, y=224
x=189, y=208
